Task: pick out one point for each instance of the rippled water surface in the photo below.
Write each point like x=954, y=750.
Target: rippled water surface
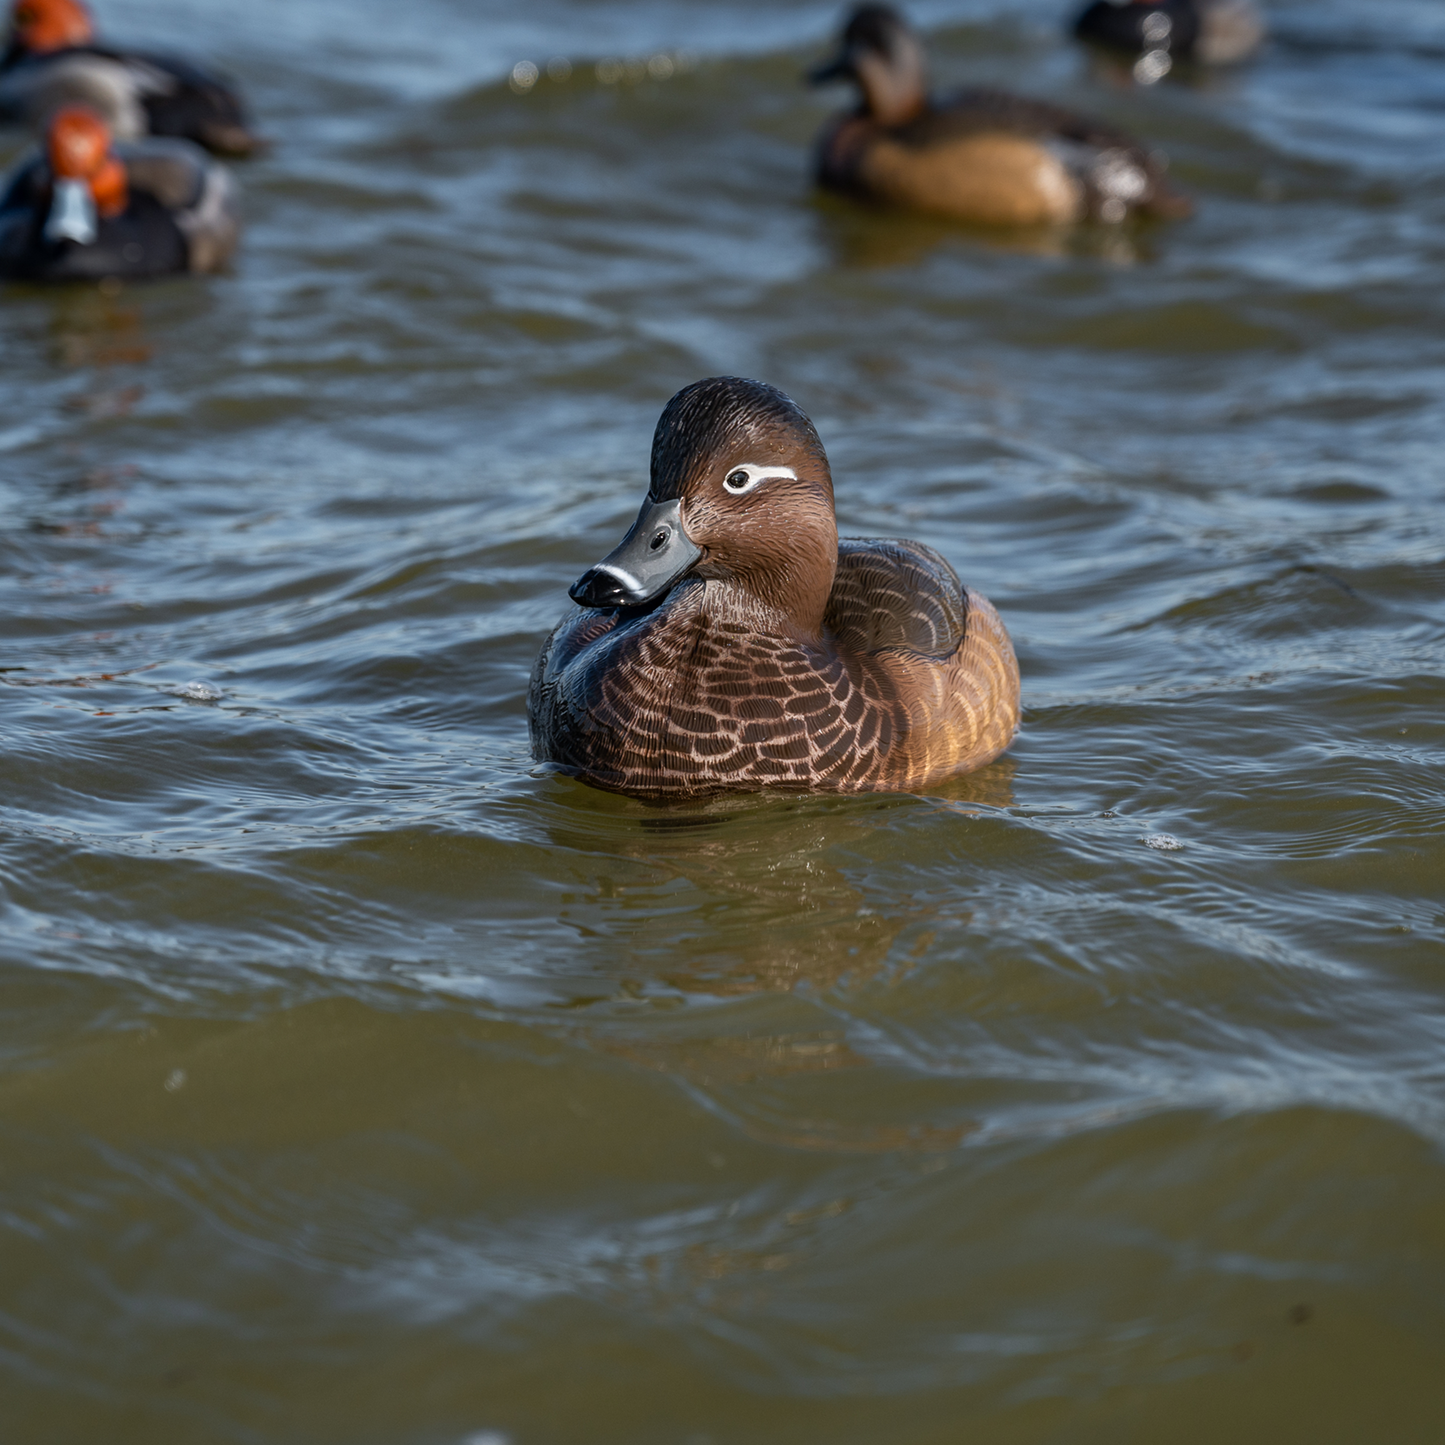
x=360, y=1082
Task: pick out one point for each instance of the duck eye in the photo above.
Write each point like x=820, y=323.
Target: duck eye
x=658, y=538
x=736, y=481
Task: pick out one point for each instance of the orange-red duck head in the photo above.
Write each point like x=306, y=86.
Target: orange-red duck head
x=89, y=179
x=40, y=26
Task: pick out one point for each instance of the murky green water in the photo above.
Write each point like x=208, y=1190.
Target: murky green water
x=361, y=1084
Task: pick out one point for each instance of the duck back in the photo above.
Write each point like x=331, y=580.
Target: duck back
x=997, y=159
x=913, y=679
x=195, y=104
x=136, y=93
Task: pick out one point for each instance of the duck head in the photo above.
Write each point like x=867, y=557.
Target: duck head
x=884, y=58
x=38, y=27
x=741, y=495
x=89, y=181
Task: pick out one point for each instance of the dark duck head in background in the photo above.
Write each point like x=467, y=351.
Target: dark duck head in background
x=1160, y=32
x=85, y=210
x=732, y=642
x=53, y=60
x=982, y=156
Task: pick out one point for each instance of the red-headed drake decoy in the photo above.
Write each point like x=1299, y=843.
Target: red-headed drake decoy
x=83, y=209
x=54, y=59
x=983, y=156
x=733, y=643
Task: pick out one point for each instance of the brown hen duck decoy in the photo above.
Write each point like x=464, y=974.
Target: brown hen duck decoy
x=982, y=156
x=733, y=643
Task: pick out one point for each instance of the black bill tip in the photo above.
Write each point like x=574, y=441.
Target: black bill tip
x=601, y=587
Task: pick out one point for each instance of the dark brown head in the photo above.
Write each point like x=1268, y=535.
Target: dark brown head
x=741, y=494
x=885, y=59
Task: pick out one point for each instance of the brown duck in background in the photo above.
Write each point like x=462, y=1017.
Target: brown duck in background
x=983, y=156
x=1212, y=32
x=733, y=643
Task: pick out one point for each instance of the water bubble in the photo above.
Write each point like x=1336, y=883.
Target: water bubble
x=1164, y=842
x=524, y=76
x=559, y=68
x=660, y=67
x=197, y=692
x=1157, y=28
x=609, y=72
x=176, y=1079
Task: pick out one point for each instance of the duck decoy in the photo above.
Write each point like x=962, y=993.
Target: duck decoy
x=733, y=643
x=983, y=156
x=84, y=210
x=1215, y=32
x=54, y=59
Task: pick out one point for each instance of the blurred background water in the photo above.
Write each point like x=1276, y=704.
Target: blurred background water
x=361, y=1083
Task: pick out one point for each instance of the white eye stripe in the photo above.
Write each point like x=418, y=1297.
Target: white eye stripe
x=749, y=476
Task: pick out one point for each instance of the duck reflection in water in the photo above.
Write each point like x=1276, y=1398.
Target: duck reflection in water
x=734, y=898
x=984, y=156
x=97, y=326
x=865, y=237
x=731, y=897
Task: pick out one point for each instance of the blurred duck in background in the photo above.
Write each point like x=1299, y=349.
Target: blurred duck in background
x=85, y=210
x=1160, y=32
x=53, y=60
x=983, y=156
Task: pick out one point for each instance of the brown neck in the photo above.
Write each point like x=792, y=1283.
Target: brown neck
x=785, y=599
x=895, y=88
